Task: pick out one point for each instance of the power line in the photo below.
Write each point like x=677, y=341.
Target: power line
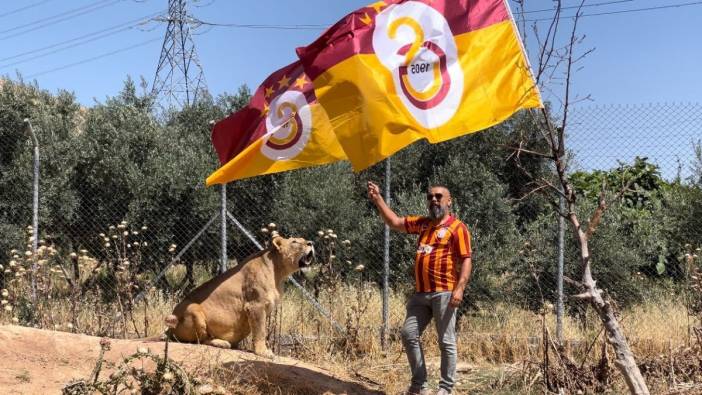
x=679, y=5
x=94, y=58
x=604, y=3
x=54, y=19
x=261, y=26
x=307, y=27
x=18, y=10
x=600, y=4
x=86, y=38
x=320, y=27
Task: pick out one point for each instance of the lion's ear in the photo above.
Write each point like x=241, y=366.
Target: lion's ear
x=278, y=242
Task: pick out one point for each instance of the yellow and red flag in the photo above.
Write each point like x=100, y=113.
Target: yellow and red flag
x=398, y=71
x=282, y=128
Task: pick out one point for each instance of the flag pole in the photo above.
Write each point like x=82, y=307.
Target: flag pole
x=386, y=263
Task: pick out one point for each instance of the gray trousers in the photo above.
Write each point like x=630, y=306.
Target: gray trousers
x=421, y=308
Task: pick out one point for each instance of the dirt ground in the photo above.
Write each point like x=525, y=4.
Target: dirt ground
x=34, y=361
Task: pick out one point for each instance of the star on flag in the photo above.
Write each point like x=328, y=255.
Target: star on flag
x=284, y=82
x=301, y=82
x=269, y=92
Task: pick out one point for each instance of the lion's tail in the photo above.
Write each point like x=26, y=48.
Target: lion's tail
x=171, y=322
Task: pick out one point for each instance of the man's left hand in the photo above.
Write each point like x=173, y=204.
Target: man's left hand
x=456, y=297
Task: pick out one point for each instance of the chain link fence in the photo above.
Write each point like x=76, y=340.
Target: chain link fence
x=126, y=227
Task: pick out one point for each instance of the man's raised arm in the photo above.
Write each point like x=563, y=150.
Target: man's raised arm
x=389, y=217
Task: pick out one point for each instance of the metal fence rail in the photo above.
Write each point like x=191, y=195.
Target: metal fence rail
x=106, y=248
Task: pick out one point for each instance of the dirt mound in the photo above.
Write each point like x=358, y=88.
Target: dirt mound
x=34, y=361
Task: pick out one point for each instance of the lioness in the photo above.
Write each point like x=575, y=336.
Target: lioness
x=224, y=310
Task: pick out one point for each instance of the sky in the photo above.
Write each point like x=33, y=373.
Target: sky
x=640, y=57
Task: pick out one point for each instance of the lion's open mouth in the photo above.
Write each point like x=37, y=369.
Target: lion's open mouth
x=306, y=260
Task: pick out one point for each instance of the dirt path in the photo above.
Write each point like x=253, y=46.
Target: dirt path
x=34, y=361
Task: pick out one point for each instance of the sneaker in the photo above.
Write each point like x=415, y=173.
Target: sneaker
x=442, y=391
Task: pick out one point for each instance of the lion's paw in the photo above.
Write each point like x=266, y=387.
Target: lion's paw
x=220, y=343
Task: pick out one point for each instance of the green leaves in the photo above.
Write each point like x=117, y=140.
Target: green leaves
x=660, y=265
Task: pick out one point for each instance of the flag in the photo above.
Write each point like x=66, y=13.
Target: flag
x=398, y=71
x=282, y=128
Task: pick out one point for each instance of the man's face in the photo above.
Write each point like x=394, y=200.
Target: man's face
x=438, y=202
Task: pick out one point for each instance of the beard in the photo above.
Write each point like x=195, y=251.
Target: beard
x=437, y=211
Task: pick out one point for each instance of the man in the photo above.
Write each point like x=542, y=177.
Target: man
x=442, y=248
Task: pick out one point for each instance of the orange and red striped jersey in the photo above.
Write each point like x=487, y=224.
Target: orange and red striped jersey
x=439, y=249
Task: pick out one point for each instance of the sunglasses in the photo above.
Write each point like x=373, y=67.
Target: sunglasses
x=431, y=196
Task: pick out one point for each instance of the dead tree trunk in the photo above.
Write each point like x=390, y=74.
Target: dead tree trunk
x=624, y=360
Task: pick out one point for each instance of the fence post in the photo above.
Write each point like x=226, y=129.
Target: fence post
x=559, y=277
x=35, y=204
x=386, y=263
x=223, y=214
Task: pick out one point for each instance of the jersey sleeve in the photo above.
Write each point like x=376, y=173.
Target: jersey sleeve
x=413, y=224
x=461, y=242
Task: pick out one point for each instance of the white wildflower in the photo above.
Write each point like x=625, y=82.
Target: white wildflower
x=359, y=268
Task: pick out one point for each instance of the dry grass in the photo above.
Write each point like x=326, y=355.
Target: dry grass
x=493, y=343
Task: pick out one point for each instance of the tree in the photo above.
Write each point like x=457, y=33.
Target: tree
x=553, y=60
